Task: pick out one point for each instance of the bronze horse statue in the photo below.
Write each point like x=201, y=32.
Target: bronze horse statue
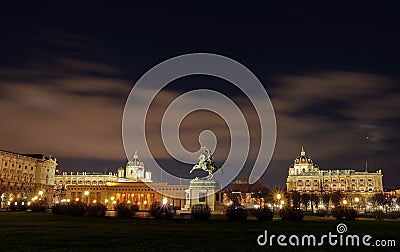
x=206, y=163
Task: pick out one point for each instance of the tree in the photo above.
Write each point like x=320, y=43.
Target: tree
x=305, y=199
x=337, y=198
x=379, y=199
x=314, y=200
x=296, y=199
x=326, y=198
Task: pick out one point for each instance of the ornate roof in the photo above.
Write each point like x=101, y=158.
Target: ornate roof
x=135, y=161
x=303, y=158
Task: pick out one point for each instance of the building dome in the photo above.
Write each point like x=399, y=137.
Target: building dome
x=303, y=158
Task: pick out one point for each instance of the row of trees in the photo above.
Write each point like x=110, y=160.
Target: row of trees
x=312, y=200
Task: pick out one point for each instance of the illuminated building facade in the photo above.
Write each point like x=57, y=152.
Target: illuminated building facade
x=130, y=185
x=23, y=175
x=306, y=177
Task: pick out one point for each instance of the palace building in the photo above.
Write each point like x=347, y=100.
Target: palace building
x=306, y=177
x=130, y=185
x=22, y=176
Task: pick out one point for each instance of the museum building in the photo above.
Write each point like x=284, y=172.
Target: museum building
x=306, y=177
x=130, y=185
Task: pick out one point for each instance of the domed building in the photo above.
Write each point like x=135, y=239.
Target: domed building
x=302, y=164
x=132, y=184
x=134, y=171
x=306, y=177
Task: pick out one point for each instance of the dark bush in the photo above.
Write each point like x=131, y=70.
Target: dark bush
x=321, y=213
x=19, y=207
x=76, y=208
x=98, y=210
x=37, y=206
x=378, y=215
x=394, y=214
x=262, y=214
x=201, y=212
x=291, y=214
x=162, y=211
x=341, y=213
x=126, y=210
x=59, y=209
x=236, y=212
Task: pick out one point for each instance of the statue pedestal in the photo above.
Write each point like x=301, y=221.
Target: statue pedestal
x=203, y=192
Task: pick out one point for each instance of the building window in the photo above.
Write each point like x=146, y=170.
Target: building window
x=217, y=197
x=202, y=197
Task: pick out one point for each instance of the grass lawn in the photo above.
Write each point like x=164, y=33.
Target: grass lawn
x=27, y=231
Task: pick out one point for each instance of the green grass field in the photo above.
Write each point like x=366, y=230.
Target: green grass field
x=27, y=231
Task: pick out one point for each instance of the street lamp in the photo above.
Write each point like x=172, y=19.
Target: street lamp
x=344, y=203
x=40, y=194
x=86, y=194
x=357, y=200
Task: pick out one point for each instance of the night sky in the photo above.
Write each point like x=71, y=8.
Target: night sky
x=331, y=70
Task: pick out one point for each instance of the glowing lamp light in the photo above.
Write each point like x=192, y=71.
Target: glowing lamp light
x=77, y=199
x=94, y=201
x=278, y=196
x=256, y=206
x=40, y=193
x=114, y=202
x=106, y=200
x=357, y=200
x=15, y=203
x=282, y=202
x=165, y=201
x=23, y=203
x=29, y=203
x=86, y=193
x=145, y=202
x=68, y=200
x=129, y=202
x=344, y=202
x=112, y=198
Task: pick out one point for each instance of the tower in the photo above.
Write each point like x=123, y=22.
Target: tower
x=135, y=169
x=302, y=164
